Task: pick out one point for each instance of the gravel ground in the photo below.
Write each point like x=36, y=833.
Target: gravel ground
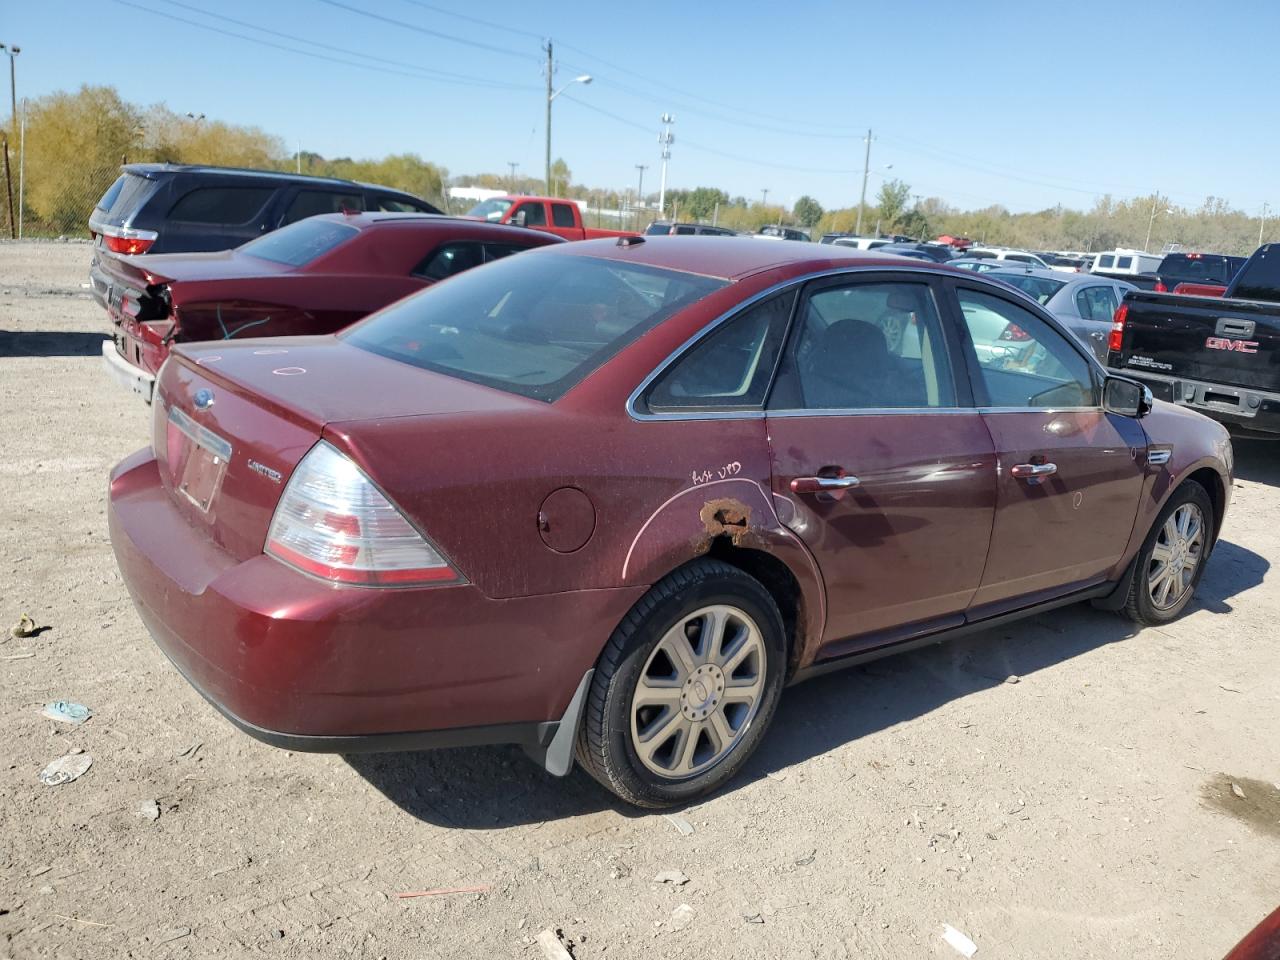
x=1085, y=810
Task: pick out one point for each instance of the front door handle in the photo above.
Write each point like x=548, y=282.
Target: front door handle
x=823, y=484
x=1034, y=471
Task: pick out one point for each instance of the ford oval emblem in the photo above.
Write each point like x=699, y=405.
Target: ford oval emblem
x=203, y=399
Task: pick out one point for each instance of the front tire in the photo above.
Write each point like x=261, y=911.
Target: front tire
x=685, y=687
x=1172, y=559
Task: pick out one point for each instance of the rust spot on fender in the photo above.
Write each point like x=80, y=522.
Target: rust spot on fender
x=725, y=517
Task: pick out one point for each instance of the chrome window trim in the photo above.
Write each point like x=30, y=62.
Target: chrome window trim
x=906, y=272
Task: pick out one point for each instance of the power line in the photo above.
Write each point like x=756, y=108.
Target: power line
x=404, y=24
x=484, y=23
x=441, y=74
x=304, y=53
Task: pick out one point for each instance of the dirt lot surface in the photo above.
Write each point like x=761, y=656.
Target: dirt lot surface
x=1085, y=810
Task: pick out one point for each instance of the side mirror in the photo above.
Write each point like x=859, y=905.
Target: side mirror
x=1126, y=397
x=519, y=218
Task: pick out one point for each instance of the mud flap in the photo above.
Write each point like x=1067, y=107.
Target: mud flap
x=1116, y=599
x=556, y=757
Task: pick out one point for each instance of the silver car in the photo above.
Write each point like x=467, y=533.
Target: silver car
x=1085, y=304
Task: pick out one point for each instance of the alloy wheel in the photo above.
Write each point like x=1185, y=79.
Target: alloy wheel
x=1176, y=556
x=698, y=692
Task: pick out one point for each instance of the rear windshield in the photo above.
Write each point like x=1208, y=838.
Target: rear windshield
x=1195, y=269
x=533, y=325
x=124, y=196
x=1041, y=288
x=299, y=243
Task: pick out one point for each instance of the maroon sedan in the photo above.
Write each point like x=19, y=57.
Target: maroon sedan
x=606, y=499
x=315, y=276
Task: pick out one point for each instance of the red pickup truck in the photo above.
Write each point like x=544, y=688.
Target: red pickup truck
x=549, y=214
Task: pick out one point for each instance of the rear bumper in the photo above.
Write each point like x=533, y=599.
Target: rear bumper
x=125, y=373
x=1252, y=411
x=303, y=664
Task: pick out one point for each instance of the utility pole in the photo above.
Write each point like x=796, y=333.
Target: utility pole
x=1151, y=222
x=12, y=50
x=642, y=167
x=764, y=196
x=512, y=164
x=550, y=96
x=298, y=155
x=1263, y=224
x=866, y=172
x=665, y=139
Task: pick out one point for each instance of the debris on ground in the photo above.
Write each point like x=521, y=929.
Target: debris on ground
x=683, y=826
x=445, y=891
x=148, y=810
x=753, y=918
x=776, y=775
x=177, y=933
x=619, y=871
x=552, y=948
x=277, y=934
x=191, y=750
x=681, y=916
x=671, y=876
x=807, y=859
x=26, y=627
x=962, y=944
x=1235, y=788
x=65, y=769
x=18, y=656
x=65, y=711
x=1012, y=678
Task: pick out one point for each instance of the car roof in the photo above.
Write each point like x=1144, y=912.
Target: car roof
x=1060, y=275
x=282, y=175
x=729, y=258
x=437, y=221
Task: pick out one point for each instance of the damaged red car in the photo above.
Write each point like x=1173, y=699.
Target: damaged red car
x=314, y=276
x=606, y=499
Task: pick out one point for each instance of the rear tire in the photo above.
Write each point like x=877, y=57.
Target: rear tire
x=1172, y=558
x=685, y=688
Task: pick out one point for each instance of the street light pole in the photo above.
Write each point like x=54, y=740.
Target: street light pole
x=764, y=196
x=12, y=50
x=551, y=67
x=642, y=167
x=1263, y=224
x=513, y=164
x=866, y=172
x=665, y=138
x=1151, y=222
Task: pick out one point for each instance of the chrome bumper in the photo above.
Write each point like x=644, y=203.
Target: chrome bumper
x=125, y=373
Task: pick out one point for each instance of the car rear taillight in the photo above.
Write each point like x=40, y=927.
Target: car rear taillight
x=1116, y=341
x=1159, y=287
x=128, y=245
x=333, y=523
x=1014, y=332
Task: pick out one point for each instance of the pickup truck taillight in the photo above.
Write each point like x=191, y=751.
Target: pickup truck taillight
x=1159, y=287
x=333, y=523
x=1116, y=340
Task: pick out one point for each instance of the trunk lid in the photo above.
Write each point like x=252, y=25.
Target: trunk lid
x=232, y=422
x=1230, y=342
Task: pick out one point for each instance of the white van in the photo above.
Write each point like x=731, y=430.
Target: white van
x=1024, y=257
x=1126, y=261
x=862, y=243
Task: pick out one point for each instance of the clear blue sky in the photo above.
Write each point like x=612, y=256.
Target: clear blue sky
x=1027, y=104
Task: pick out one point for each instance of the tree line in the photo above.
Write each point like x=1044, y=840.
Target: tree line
x=76, y=141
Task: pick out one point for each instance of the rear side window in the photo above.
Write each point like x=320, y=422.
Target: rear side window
x=125, y=195
x=731, y=367
x=299, y=243
x=450, y=259
x=222, y=205
x=657, y=230
x=532, y=325
x=561, y=215
x=1106, y=262
x=1096, y=303
x=309, y=203
x=1124, y=263
x=395, y=205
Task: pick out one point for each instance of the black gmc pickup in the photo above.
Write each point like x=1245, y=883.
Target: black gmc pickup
x=1218, y=356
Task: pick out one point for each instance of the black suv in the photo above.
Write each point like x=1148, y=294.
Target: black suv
x=175, y=208
x=664, y=228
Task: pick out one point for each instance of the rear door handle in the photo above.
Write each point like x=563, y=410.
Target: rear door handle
x=1034, y=471
x=823, y=484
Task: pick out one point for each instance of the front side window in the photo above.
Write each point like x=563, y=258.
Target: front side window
x=731, y=367
x=1022, y=360
x=532, y=325
x=221, y=205
x=866, y=346
x=532, y=214
x=562, y=215
x=492, y=210
x=309, y=203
